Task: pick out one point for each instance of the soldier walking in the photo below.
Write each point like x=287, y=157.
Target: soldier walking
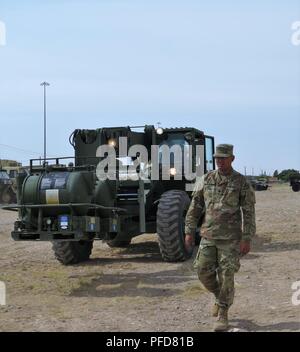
x=226, y=201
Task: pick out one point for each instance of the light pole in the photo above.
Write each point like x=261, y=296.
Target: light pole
x=45, y=84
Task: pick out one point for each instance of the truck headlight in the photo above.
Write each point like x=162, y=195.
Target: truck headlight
x=159, y=131
x=112, y=142
x=173, y=171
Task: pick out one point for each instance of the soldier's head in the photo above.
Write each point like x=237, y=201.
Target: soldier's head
x=224, y=157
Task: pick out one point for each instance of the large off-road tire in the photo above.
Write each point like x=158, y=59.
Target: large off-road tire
x=72, y=252
x=296, y=187
x=171, y=212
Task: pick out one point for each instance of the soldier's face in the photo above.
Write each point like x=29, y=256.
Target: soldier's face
x=224, y=164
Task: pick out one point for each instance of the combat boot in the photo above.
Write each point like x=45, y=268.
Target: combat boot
x=222, y=322
x=215, y=310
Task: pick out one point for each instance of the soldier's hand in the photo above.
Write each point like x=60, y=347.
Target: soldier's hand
x=244, y=247
x=189, y=242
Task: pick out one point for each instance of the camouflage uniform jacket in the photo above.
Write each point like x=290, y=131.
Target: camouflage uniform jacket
x=227, y=204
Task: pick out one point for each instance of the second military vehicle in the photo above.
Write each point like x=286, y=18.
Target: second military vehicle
x=8, y=173
x=7, y=193
x=295, y=182
x=258, y=184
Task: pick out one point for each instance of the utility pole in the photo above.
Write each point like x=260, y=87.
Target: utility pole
x=45, y=84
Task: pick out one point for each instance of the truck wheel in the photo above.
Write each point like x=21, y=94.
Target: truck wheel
x=171, y=212
x=72, y=252
x=296, y=187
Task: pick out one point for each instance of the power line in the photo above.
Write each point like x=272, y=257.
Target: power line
x=19, y=149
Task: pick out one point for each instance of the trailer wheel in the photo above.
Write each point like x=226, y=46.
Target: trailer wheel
x=72, y=252
x=171, y=212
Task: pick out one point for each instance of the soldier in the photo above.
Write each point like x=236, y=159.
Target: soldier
x=226, y=201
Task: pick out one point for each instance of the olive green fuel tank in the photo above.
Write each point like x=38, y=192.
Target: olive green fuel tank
x=59, y=188
x=63, y=187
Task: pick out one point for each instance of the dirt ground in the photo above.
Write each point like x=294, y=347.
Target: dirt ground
x=133, y=290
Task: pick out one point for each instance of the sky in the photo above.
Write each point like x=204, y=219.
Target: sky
x=225, y=67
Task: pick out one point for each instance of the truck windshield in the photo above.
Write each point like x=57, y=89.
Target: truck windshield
x=209, y=150
x=4, y=175
x=173, y=139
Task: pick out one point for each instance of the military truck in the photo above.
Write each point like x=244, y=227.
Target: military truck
x=7, y=192
x=295, y=182
x=258, y=184
x=12, y=167
x=8, y=188
x=122, y=182
x=261, y=184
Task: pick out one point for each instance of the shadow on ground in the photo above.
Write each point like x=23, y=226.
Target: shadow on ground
x=251, y=326
x=268, y=246
x=146, y=252
x=150, y=247
x=250, y=256
x=132, y=284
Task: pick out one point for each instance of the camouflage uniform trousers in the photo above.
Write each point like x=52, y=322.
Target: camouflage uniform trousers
x=216, y=262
